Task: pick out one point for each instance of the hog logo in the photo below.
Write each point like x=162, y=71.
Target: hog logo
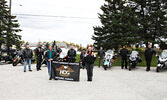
x=65, y=71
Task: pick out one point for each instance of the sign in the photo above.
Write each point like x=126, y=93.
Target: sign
x=66, y=71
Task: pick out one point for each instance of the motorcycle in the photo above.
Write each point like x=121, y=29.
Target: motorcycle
x=8, y=58
x=17, y=59
x=134, y=59
x=162, y=61
x=108, y=59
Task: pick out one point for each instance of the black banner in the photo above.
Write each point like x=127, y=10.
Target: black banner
x=66, y=71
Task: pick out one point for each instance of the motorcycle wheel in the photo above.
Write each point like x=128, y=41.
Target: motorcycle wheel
x=157, y=69
x=14, y=64
x=105, y=67
x=130, y=67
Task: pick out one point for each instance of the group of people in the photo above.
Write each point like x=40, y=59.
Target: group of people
x=148, y=56
x=52, y=55
x=87, y=58
x=124, y=53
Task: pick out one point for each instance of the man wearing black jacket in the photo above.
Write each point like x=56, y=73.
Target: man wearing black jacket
x=39, y=52
x=82, y=56
x=124, y=54
x=148, y=56
x=27, y=56
x=71, y=55
x=101, y=55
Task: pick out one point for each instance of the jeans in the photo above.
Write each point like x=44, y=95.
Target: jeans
x=49, y=68
x=27, y=61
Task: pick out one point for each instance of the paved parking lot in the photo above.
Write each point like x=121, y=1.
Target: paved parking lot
x=114, y=84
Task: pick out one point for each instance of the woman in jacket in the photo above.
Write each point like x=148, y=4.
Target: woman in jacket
x=90, y=57
x=50, y=55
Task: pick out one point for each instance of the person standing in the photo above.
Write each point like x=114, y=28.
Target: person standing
x=101, y=55
x=124, y=54
x=90, y=58
x=27, y=56
x=71, y=55
x=39, y=52
x=82, y=56
x=148, y=56
x=50, y=55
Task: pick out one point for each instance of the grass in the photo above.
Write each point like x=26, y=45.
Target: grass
x=118, y=61
x=143, y=63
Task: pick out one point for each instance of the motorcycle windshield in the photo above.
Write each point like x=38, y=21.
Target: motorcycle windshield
x=164, y=54
x=110, y=51
x=109, y=54
x=63, y=53
x=134, y=54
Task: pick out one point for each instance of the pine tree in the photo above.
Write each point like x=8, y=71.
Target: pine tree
x=119, y=25
x=10, y=27
x=2, y=20
x=158, y=22
x=152, y=20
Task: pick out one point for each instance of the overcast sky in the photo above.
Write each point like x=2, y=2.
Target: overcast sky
x=60, y=20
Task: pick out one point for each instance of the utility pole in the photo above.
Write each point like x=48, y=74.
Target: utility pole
x=10, y=7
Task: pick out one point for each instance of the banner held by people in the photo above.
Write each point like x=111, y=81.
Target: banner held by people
x=66, y=71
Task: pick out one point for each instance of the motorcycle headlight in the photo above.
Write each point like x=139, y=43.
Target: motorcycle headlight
x=132, y=58
x=162, y=60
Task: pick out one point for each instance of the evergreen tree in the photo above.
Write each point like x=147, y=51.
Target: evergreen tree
x=10, y=27
x=152, y=20
x=2, y=20
x=158, y=22
x=119, y=25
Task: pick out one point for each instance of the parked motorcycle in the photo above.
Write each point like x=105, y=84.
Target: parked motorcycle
x=162, y=61
x=108, y=59
x=134, y=59
x=17, y=59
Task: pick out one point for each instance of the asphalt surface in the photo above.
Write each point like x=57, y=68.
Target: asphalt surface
x=114, y=84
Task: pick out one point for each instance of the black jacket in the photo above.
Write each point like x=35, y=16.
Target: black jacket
x=149, y=52
x=82, y=56
x=89, y=59
x=59, y=50
x=27, y=53
x=39, y=52
x=71, y=53
x=124, y=53
x=54, y=55
x=101, y=53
